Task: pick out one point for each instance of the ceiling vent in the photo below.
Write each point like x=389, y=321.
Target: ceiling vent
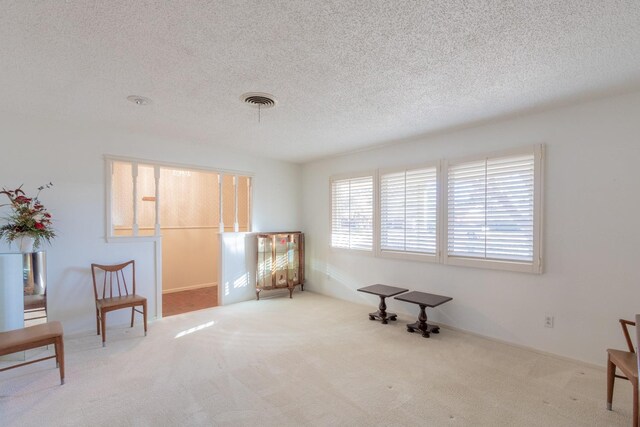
x=259, y=100
x=139, y=100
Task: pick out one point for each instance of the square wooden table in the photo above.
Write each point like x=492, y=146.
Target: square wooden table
x=383, y=291
x=424, y=300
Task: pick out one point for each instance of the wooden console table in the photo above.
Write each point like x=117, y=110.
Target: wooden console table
x=424, y=300
x=383, y=291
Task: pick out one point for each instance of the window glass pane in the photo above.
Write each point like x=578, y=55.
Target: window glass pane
x=491, y=209
x=228, y=202
x=121, y=199
x=408, y=211
x=352, y=213
x=392, y=211
x=244, y=192
x=146, y=200
x=467, y=209
x=361, y=213
x=179, y=189
x=187, y=198
x=509, y=230
x=340, y=214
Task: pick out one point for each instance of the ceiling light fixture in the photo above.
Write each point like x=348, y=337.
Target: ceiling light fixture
x=139, y=100
x=258, y=100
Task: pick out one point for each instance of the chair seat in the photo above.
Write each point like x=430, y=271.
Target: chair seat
x=626, y=361
x=124, y=300
x=20, y=337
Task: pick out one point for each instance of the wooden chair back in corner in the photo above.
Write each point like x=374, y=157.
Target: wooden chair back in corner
x=114, y=280
x=638, y=338
x=625, y=330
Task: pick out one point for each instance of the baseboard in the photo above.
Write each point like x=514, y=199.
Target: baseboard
x=189, y=288
x=522, y=346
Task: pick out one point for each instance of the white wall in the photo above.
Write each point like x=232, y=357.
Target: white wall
x=189, y=258
x=36, y=151
x=238, y=259
x=592, y=252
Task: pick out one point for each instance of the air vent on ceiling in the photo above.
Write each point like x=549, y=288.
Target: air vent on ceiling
x=259, y=99
x=139, y=100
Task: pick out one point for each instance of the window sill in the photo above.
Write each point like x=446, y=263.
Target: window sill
x=522, y=267
x=408, y=256
x=132, y=239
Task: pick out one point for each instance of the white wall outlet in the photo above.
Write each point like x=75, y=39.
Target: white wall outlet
x=548, y=321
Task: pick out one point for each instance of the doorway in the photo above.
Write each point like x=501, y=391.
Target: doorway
x=189, y=218
x=196, y=206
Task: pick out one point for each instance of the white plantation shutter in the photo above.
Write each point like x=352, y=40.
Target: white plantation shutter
x=352, y=213
x=509, y=233
x=466, y=209
x=491, y=209
x=408, y=211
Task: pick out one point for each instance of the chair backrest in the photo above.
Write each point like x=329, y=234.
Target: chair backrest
x=638, y=338
x=625, y=330
x=114, y=282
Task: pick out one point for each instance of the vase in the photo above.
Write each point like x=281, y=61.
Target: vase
x=26, y=244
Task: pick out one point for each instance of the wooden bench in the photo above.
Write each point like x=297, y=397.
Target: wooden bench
x=34, y=337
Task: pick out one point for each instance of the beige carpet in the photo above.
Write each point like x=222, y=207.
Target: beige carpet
x=311, y=360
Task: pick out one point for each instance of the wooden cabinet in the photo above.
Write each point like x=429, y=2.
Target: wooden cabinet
x=280, y=261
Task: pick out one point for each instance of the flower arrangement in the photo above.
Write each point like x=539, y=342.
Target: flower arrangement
x=28, y=218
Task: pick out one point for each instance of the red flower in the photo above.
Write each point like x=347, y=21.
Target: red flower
x=22, y=200
x=39, y=225
x=47, y=215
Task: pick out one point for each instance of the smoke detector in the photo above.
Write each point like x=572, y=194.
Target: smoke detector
x=258, y=100
x=139, y=100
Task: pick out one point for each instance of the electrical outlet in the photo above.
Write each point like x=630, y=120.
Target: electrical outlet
x=548, y=321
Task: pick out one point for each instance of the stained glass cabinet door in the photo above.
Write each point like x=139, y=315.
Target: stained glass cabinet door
x=280, y=261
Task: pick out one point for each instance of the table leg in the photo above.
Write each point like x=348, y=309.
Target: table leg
x=382, y=313
x=422, y=325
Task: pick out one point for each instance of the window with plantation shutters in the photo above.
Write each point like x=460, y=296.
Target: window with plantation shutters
x=409, y=211
x=352, y=213
x=493, y=209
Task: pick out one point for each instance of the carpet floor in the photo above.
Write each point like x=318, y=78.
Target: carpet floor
x=310, y=360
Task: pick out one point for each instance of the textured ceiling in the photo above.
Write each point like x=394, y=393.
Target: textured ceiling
x=346, y=74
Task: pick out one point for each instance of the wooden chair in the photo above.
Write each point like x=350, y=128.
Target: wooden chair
x=111, y=298
x=627, y=362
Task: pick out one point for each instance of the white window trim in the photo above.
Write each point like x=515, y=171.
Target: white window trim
x=109, y=159
x=442, y=257
x=374, y=241
x=407, y=255
x=536, y=266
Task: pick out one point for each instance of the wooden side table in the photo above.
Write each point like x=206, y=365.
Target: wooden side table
x=424, y=300
x=383, y=291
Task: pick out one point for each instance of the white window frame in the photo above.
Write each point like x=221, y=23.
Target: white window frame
x=415, y=256
x=157, y=165
x=365, y=174
x=536, y=266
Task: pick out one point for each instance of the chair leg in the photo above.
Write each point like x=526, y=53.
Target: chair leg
x=103, y=323
x=133, y=310
x=635, y=404
x=60, y=357
x=611, y=376
x=97, y=322
x=144, y=316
